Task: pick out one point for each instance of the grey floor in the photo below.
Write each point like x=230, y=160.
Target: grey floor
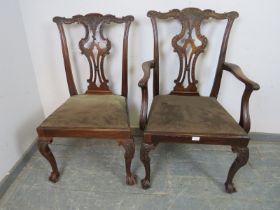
x=183, y=177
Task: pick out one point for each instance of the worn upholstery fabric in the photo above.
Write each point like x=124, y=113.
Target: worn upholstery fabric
x=90, y=111
x=191, y=115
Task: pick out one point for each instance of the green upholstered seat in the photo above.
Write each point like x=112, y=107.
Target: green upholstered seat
x=191, y=115
x=90, y=111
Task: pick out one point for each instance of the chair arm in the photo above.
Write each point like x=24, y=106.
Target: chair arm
x=146, y=66
x=143, y=84
x=238, y=73
x=250, y=86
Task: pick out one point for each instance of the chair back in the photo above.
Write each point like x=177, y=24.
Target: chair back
x=189, y=43
x=95, y=46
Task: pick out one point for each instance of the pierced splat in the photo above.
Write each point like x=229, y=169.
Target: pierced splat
x=186, y=118
x=95, y=46
x=185, y=45
x=188, y=44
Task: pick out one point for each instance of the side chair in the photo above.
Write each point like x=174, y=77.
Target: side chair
x=97, y=113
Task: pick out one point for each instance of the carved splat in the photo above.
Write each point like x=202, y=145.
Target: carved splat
x=188, y=44
x=95, y=46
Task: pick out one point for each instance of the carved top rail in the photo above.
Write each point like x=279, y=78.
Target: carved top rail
x=188, y=45
x=95, y=46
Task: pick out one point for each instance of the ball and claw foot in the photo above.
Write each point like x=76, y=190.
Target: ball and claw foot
x=54, y=177
x=131, y=180
x=240, y=161
x=230, y=188
x=145, y=184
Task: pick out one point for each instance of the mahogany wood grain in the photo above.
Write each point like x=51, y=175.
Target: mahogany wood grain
x=188, y=52
x=250, y=86
x=94, y=24
x=143, y=83
x=95, y=46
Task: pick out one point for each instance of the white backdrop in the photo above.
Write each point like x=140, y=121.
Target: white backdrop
x=20, y=105
x=253, y=45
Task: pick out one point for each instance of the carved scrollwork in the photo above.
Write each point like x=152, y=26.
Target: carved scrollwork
x=171, y=14
x=189, y=43
x=94, y=45
x=144, y=157
x=129, y=147
x=93, y=24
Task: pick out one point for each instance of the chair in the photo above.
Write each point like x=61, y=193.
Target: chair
x=97, y=113
x=184, y=116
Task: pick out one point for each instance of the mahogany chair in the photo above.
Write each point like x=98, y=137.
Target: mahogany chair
x=97, y=113
x=184, y=116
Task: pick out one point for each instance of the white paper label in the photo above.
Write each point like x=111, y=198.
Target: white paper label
x=195, y=138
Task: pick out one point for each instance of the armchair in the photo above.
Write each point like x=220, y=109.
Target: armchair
x=184, y=116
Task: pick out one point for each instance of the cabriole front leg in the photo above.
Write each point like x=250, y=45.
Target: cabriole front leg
x=47, y=153
x=129, y=147
x=144, y=156
x=241, y=160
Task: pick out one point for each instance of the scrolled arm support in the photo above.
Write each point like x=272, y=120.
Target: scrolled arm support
x=143, y=84
x=146, y=66
x=238, y=73
x=250, y=86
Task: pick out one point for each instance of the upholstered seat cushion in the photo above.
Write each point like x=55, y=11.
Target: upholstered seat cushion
x=90, y=111
x=191, y=115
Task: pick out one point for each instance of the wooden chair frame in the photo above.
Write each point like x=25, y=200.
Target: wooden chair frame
x=93, y=23
x=191, y=18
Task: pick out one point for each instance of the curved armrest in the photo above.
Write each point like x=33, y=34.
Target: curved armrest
x=146, y=66
x=238, y=73
x=143, y=83
x=244, y=120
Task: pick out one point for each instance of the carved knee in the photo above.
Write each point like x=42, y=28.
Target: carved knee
x=47, y=153
x=241, y=160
